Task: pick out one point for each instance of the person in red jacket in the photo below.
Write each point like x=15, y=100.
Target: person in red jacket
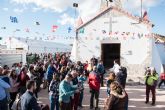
x=22, y=79
x=162, y=79
x=94, y=85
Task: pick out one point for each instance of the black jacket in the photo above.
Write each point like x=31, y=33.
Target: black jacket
x=121, y=77
x=29, y=102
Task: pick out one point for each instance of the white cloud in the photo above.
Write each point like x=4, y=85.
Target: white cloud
x=5, y=9
x=134, y=6
x=66, y=19
x=35, y=9
x=18, y=10
x=56, y=5
x=87, y=8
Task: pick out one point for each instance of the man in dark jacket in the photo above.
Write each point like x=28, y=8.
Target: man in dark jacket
x=28, y=101
x=121, y=76
x=101, y=71
x=94, y=85
x=51, y=69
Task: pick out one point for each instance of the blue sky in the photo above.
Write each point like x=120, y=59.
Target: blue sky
x=61, y=13
x=157, y=17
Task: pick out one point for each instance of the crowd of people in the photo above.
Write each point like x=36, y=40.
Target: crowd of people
x=64, y=80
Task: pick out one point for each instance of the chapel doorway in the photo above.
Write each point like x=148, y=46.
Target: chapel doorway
x=109, y=53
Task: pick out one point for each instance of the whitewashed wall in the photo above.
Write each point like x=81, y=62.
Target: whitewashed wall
x=135, y=50
x=92, y=46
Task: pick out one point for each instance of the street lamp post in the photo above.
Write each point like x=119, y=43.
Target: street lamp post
x=75, y=5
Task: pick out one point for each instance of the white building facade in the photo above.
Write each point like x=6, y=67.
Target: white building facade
x=116, y=34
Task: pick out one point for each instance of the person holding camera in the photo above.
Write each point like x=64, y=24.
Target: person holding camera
x=66, y=90
x=151, y=79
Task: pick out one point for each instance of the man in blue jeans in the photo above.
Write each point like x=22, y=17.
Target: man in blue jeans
x=54, y=92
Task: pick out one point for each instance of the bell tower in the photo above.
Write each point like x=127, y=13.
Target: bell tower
x=106, y=3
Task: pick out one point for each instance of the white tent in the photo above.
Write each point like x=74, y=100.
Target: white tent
x=37, y=46
x=74, y=51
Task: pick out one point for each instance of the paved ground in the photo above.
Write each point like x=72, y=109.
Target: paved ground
x=136, y=98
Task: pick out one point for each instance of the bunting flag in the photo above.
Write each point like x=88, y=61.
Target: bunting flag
x=37, y=23
x=110, y=33
x=13, y=19
x=104, y=31
x=82, y=30
x=3, y=27
x=145, y=15
x=54, y=28
x=17, y=30
x=75, y=5
x=79, y=22
x=116, y=33
x=69, y=29
x=27, y=30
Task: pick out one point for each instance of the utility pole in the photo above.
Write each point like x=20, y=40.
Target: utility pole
x=75, y=5
x=141, y=11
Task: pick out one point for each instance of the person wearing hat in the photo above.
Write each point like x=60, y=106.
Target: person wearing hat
x=151, y=79
x=65, y=92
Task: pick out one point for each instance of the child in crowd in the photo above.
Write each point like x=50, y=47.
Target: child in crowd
x=110, y=79
x=81, y=81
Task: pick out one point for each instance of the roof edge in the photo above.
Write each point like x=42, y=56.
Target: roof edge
x=147, y=22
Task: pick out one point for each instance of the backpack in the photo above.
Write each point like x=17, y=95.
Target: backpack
x=124, y=70
x=17, y=103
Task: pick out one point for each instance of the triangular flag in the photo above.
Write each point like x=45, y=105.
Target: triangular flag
x=13, y=19
x=104, y=31
x=27, y=30
x=145, y=15
x=3, y=27
x=81, y=30
x=54, y=28
x=17, y=30
x=37, y=23
x=69, y=29
x=79, y=22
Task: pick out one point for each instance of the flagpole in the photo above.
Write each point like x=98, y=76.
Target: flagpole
x=75, y=5
x=141, y=10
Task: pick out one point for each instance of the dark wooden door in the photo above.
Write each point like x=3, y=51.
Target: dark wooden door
x=110, y=52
